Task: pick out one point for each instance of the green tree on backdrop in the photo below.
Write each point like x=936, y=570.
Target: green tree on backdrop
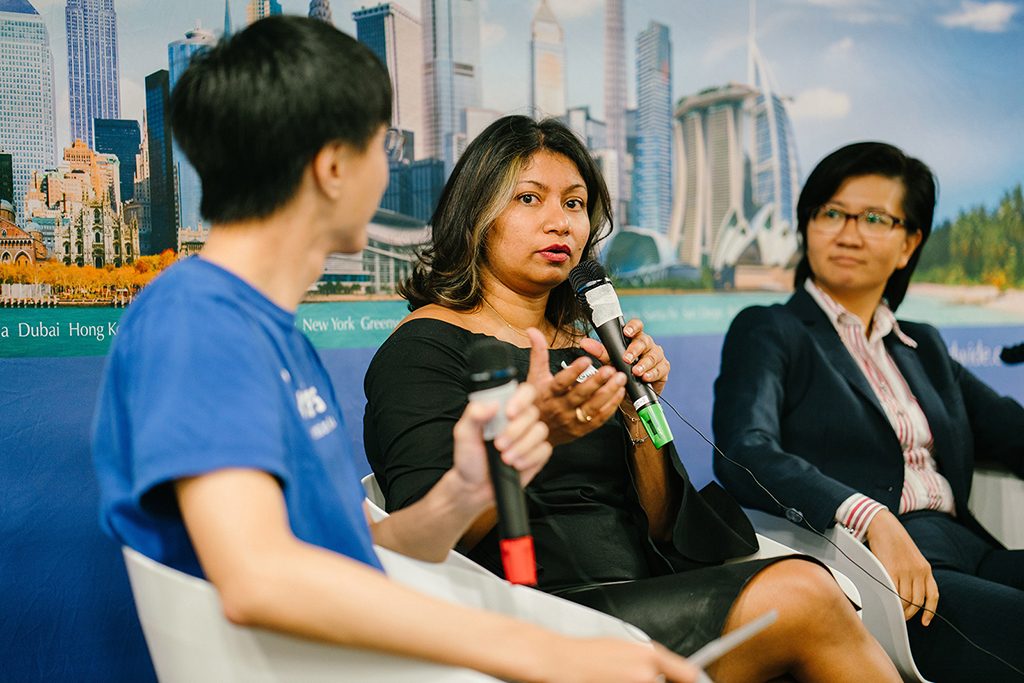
x=980, y=247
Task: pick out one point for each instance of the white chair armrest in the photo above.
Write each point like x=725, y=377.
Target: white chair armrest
x=769, y=547
x=882, y=610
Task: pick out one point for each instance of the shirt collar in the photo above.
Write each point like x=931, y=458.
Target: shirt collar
x=883, y=322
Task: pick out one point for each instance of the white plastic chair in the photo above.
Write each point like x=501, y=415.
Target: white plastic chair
x=458, y=573
x=375, y=502
x=997, y=497
x=190, y=641
x=476, y=587
x=882, y=609
x=768, y=547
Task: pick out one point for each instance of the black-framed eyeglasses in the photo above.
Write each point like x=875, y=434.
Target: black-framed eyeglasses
x=394, y=145
x=830, y=219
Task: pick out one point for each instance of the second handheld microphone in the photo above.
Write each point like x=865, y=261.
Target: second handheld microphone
x=595, y=291
x=492, y=379
x=1012, y=355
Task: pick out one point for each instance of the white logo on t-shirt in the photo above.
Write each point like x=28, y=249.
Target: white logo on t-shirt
x=309, y=403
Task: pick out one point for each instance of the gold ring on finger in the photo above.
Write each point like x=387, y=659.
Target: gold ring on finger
x=582, y=416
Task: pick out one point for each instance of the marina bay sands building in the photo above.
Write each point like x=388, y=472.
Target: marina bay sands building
x=737, y=178
x=712, y=174
x=735, y=183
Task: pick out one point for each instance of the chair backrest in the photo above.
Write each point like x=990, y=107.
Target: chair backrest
x=882, y=609
x=474, y=586
x=375, y=503
x=190, y=641
x=997, y=497
x=463, y=580
x=374, y=496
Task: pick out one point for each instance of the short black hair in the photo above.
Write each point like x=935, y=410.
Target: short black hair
x=871, y=158
x=252, y=112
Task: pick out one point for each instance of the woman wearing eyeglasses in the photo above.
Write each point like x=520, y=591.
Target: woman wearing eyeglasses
x=855, y=418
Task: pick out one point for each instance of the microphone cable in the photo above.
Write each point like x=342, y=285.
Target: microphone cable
x=797, y=517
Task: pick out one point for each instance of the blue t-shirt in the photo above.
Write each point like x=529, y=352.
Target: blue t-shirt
x=206, y=373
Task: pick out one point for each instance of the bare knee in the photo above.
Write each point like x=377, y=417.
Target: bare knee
x=807, y=582
x=805, y=595
x=817, y=635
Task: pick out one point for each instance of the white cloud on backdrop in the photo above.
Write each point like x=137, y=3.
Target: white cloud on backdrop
x=988, y=17
x=723, y=46
x=820, y=104
x=841, y=48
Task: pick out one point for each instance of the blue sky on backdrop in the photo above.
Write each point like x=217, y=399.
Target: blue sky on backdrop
x=943, y=79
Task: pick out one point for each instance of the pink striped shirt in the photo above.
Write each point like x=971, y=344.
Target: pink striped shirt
x=923, y=487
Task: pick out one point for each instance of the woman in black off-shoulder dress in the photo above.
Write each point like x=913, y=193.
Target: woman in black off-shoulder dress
x=616, y=523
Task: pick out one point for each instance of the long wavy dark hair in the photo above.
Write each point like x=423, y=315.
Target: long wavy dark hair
x=871, y=158
x=447, y=271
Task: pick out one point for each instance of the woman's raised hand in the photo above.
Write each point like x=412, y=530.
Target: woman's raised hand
x=568, y=407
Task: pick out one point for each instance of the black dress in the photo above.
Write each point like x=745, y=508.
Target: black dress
x=590, y=532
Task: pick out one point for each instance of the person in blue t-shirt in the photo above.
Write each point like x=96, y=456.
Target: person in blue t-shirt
x=218, y=441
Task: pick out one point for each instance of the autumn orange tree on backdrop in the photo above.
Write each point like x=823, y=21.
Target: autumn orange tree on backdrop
x=88, y=282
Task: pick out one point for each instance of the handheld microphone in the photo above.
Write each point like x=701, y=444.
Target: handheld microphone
x=1012, y=355
x=492, y=379
x=595, y=291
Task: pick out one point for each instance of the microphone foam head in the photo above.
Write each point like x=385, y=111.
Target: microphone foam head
x=489, y=364
x=1012, y=355
x=585, y=273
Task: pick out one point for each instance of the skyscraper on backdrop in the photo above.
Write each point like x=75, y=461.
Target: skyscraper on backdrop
x=257, y=9
x=120, y=137
x=320, y=9
x=163, y=204
x=6, y=178
x=652, y=169
x=189, y=188
x=547, y=64
x=615, y=163
x=451, y=49
x=228, y=29
x=138, y=210
x=28, y=130
x=94, y=77
x=396, y=37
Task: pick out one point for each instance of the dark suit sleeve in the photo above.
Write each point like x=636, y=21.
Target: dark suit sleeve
x=765, y=367
x=414, y=396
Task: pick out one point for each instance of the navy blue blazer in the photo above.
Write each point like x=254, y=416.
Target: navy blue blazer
x=792, y=405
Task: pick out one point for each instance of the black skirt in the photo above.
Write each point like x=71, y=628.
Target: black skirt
x=681, y=611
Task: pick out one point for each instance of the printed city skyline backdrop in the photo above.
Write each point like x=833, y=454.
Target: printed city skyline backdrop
x=704, y=116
